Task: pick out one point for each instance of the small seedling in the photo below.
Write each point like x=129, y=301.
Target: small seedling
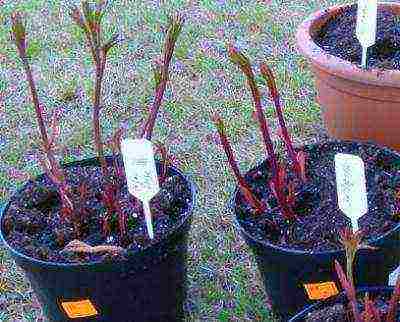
x=371, y=311
x=352, y=243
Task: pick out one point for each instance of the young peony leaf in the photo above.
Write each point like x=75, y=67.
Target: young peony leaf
x=269, y=77
x=18, y=33
x=87, y=11
x=175, y=27
x=157, y=73
x=77, y=17
x=239, y=59
x=351, y=242
x=100, y=10
x=114, y=40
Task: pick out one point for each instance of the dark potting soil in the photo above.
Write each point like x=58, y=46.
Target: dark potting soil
x=341, y=312
x=338, y=38
x=34, y=226
x=319, y=217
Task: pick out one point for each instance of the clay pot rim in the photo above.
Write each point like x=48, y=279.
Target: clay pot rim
x=337, y=66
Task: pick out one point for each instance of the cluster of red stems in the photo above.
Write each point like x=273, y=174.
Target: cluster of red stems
x=280, y=185
x=352, y=243
x=72, y=202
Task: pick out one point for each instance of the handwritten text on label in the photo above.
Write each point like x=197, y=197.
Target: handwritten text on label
x=351, y=186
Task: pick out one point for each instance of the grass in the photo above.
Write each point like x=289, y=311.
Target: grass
x=224, y=284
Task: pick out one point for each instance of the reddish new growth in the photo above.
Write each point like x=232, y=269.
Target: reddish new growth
x=161, y=75
x=282, y=188
x=371, y=312
x=50, y=163
x=298, y=158
x=165, y=160
x=90, y=23
x=352, y=243
x=348, y=287
x=89, y=19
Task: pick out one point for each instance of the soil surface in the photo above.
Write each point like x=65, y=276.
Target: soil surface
x=319, y=217
x=338, y=38
x=340, y=312
x=34, y=226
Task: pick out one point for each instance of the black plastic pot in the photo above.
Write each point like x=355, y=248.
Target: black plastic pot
x=149, y=286
x=341, y=298
x=285, y=271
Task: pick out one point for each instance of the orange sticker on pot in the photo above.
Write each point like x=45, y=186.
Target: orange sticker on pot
x=79, y=309
x=320, y=291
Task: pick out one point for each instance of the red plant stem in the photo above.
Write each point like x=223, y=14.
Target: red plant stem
x=100, y=64
x=53, y=170
x=244, y=64
x=147, y=130
x=394, y=302
x=286, y=210
x=92, y=30
x=54, y=166
x=263, y=126
x=243, y=185
x=39, y=116
x=171, y=38
x=121, y=221
x=274, y=93
x=115, y=146
x=164, y=159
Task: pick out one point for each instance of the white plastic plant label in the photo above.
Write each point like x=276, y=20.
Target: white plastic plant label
x=393, y=276
x=366, y=26
x=141, y=173
x=351, y=186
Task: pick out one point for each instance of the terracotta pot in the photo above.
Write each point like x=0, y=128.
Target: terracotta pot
x=356, y=104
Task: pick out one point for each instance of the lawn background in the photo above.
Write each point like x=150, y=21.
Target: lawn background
x=224, y=284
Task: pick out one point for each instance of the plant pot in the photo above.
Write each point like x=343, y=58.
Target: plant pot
x=294, y=278
x=372, y=291
x=356, y=104
x=148, y=286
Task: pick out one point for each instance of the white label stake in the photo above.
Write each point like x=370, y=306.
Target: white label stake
x=141, y=174
x=393, y=276
x=351, y=186
x=366, y=26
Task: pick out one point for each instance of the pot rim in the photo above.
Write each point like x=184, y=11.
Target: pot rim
x=339, y=297
x=337, y=66
x=83, y=162
x=288, y=251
